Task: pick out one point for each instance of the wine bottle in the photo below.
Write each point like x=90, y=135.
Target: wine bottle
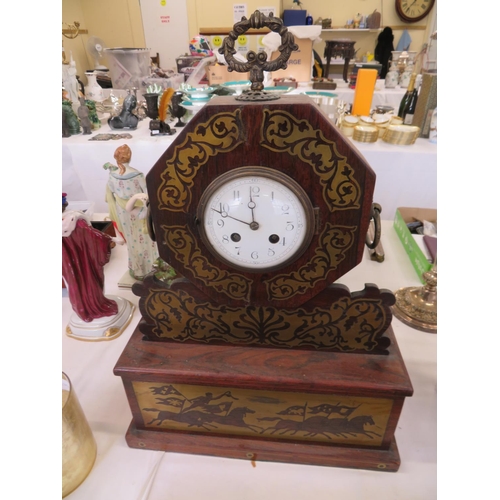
x=410, y=106
x=406, y=97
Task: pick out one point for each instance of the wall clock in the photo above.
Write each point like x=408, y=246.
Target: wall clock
x=260, y=204
x=412, y=11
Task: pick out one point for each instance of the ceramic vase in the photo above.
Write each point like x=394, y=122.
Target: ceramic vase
x=392, y=76
x=93, y=90
x=404, y=80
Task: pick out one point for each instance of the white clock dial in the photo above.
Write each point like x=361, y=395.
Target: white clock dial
x=255, y=218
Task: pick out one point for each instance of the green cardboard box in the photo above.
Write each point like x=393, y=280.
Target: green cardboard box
x=404, y=215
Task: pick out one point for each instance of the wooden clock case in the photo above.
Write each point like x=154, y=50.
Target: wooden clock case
x=281, y=365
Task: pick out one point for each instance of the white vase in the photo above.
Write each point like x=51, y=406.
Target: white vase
x=404, y=81
x=93, y=91
x=392, y=76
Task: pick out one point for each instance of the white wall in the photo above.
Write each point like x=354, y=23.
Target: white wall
x=119, y=22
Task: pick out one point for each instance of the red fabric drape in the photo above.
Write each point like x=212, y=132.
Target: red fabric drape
x=84, y=254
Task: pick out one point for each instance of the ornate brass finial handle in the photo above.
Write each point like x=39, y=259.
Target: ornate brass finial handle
x=375, y=215
x=257, y=63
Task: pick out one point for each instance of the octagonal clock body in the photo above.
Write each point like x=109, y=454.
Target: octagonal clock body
x=261, y=203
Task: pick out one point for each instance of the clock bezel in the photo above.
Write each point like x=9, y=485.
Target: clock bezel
x=276, y=176
x=409, y=19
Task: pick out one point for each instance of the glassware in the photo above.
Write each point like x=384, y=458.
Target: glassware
x=79, y=448
x=176, y=109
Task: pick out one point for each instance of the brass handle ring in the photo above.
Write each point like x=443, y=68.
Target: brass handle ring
x=257, y=63
x=375, y=216
x=151, y=230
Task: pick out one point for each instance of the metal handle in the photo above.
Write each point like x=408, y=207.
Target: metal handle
x=257, y=63
x=151, y=229
x=375, y=216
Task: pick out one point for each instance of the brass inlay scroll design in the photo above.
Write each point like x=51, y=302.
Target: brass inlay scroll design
x=282, y=132
x=220, y=134
x=334, y=243
x=348, y=324
x=330, y=419
x=184, y=245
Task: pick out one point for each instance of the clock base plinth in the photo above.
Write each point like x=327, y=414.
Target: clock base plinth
x=297, y=406
x=256, y=450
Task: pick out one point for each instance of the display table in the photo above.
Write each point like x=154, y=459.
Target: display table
x=134, y=474
x=406, y=175
x=381, y=95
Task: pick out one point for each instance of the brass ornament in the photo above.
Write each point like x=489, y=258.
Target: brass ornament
x=417, y=306
x=326, y=418
x=334, y=242
x=372, y=240
x=185, y=248
x=257, y=63
x=283, y=133
x=220, y=134
x=351, y=323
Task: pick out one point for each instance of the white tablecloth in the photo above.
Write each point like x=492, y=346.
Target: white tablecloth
x=406, y=175
x=381, y=95
x=124, y=473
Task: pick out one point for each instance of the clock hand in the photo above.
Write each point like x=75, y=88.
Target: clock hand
x=411, y=5
x=253, y=225
x=251, y=204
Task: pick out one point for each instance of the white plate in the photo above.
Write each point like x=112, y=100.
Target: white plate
x=195, y=103
x=238, y=87
x=198, y=92
x=278, y=90
x=406, y=129
x=192, y=107
x=366, y=128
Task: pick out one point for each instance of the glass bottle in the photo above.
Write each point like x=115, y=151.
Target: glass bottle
x=406, y=97
x=412, y=103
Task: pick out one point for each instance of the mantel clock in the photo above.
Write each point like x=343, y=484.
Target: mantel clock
x=260, y=204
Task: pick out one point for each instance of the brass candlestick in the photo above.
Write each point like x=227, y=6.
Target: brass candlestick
x=417, y=306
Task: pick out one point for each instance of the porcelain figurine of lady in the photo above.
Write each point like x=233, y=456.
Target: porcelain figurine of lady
x=85, y=251
x=124, y=183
